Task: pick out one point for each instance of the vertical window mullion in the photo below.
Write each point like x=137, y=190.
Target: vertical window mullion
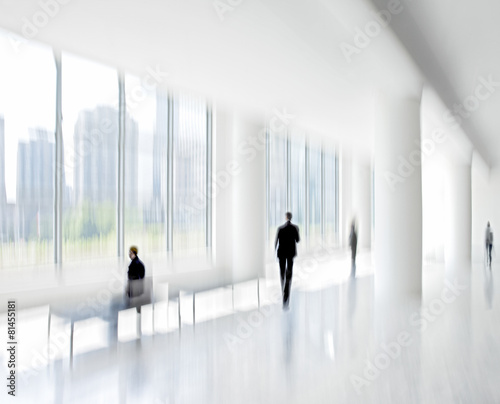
x=170, y=174
x=58, y=172
x=268, y=186
x=306, y=196
x=288, y=173
x=120, y=211
x=208, y=229
x=337, y=196
x=323, y=193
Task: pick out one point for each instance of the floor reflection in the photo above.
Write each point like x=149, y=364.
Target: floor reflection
x=335, y=344
x=488, y=286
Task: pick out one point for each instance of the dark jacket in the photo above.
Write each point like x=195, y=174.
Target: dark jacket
x=136, y=269
x=136, y=272
x=353, y=238
x=286, y=238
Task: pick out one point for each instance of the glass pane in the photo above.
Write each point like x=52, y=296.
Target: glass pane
x=27, y=152
x=145, y=159
x=277, y=183
x=297, y=179
x=330, y=196
x=90, y=137
x=314, y=193
x=190, y=174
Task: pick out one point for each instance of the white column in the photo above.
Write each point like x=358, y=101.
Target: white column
x=361, y=201
x=249, y=198
x=398, y=197
x=221, y=193
x=239, y=196
x=458, y=217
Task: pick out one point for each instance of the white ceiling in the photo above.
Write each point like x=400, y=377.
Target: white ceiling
x=455, y=43
x=286, y=53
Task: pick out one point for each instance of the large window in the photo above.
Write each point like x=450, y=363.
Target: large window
x=314, y=193
x=277, y=182
x=90, y=137
x=27, y=117
x=330, y=195
x=189, y=174
x=145, y=167
x=302, y=179
x=92, y=161
x=297, y=179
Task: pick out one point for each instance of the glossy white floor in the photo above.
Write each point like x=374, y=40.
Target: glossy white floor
x=334, y=345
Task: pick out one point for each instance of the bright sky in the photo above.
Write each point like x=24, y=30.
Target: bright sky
x=27, y=98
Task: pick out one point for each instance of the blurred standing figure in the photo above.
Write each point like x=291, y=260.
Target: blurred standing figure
x=286, y=238
x=353, y=243
x=489, y=243
x=136, y=273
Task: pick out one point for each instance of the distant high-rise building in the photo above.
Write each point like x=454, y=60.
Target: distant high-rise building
x=131, y=161
x=96, y=156
x=35, y=184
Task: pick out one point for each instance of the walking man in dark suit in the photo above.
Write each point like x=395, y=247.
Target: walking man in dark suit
x=286, y=238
